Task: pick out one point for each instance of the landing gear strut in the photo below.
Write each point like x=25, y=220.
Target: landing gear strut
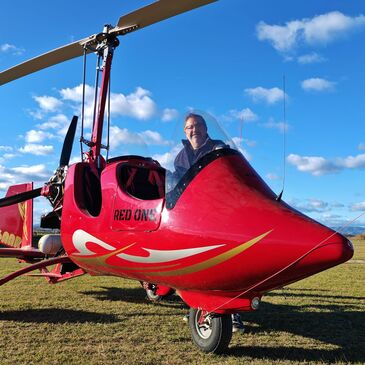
x=210, y=332
x=156, y=292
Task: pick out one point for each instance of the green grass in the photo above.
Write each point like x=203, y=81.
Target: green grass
x=107, y=320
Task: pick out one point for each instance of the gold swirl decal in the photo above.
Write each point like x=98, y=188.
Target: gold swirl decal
x=23, y=209
x=100, y=260
x=212, y=261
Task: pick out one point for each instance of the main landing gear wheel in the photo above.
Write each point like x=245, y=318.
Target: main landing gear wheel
x=151, y=293
x=210, y=332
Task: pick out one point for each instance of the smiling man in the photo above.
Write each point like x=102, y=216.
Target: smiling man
x=197, y=144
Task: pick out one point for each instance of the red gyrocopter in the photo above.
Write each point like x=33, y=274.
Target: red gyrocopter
x=220, y=237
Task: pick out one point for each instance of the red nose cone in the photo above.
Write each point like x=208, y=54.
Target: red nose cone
x=335, y=250
x=330, y=252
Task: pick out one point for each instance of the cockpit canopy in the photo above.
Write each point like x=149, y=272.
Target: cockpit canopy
x=195, y=135
x=182, y=145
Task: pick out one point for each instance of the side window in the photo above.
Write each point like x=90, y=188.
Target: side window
x=87, y=189
x=142, y=182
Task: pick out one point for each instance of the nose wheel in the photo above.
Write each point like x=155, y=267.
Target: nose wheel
x=210, y=332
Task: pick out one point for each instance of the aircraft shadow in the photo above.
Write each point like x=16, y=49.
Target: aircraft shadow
x=56, y=316
x=132, y=295
x=330, y=320
x=291, y=293
x=297, y=354
x=339, y=325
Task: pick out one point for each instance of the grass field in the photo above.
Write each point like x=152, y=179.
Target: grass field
x=106, y=320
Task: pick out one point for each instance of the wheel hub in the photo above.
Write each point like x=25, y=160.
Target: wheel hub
x=203, y=324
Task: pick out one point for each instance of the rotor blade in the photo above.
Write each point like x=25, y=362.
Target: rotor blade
x=21, y=197
x=68, y=142
x=45, y=60
x=158, y=11
x=138, y=19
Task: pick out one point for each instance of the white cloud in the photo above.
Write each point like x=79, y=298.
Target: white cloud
x=320, y=29
x=55, y=122
x=74, y=160
x=167, y=159
x=317, y=84
x=3, y=186
x=34, y=136
x=249, y=142
x=270, y=96
x=59, y=123
x=246, y=114
x=327, y=27
x=75, y=93
x=311, y=205
x=6, y=153
x=123, y=136
x=310, y=58
x=48, y=103
x=10, y=48
x=6, y=148
x=313, y=164
x=74, y=96
x=8, y=156
x=6, y=47
x=36, y=149
x=153, y=138
x=282, y=38
x=238, y=142
x=119, y=136
x=20, y=174
x=352, y=162
x=272, y=176
x=138, y=105
x=169, y=115
x=280, y=126
x=6, y=175
x=318, y=166
x=332, y=220
x=361, y=146
x=30, y=171
x=358, y=207
x=314, y=205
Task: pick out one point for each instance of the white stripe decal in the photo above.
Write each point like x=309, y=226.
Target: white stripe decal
x=79, y=239
x=160, y=256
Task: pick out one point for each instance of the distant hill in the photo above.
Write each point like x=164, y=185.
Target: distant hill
x=351, y=230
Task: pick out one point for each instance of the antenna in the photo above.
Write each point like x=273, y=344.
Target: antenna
x=278, y=198
x=241, y=130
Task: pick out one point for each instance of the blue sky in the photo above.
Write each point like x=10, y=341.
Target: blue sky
x=229, y=59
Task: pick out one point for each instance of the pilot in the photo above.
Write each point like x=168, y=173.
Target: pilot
x=197, y=144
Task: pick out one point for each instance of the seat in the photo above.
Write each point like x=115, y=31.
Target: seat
x=142, y=182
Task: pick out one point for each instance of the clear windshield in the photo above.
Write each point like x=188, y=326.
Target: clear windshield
x=195, y=135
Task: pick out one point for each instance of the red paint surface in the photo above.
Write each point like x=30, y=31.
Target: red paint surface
x=226, y=204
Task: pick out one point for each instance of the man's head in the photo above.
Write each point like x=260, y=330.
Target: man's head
x=195, y=129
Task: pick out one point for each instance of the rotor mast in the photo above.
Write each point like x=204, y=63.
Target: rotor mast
x=106, y=44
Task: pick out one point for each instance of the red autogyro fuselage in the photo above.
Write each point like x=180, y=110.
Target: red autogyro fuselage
x=219, y=237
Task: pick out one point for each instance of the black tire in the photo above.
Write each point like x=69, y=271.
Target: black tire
x=152, y=296
x=212, y=333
